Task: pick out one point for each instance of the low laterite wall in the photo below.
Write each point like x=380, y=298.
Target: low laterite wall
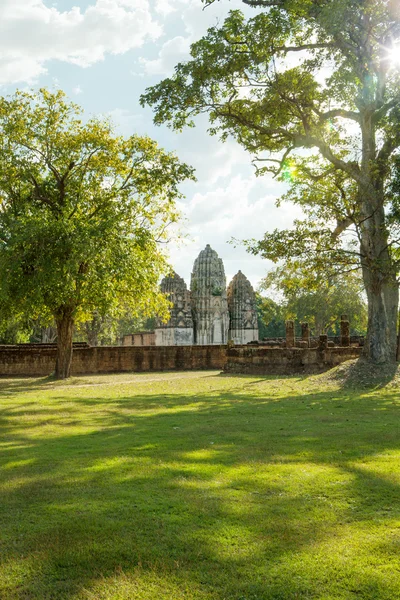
x=275, y=361
x=37, y=360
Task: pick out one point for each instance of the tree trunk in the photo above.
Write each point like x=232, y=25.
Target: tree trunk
x=65, y=329
x=381, y=341
x=381, y=286
x=379, y=272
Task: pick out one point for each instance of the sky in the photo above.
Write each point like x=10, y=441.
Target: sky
x=104, y=54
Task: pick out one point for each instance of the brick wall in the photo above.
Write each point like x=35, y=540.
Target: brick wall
x=143, y=338
x=39, y=360
x=264, y=361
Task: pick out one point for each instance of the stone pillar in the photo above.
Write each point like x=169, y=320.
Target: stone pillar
x=290, y=338
x=344, y=331
x=323, y=342
x=305, y=334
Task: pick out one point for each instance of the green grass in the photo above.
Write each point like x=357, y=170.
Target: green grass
x=198, y=486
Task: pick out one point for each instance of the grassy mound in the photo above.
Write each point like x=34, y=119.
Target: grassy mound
x=359, y=373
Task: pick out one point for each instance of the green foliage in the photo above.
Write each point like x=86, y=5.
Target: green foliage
x=271, y=319
x=216, y=292
x=320, y=301
x=106, y=330
x=14, y=330
x=240, y=75
x=127, y=324
x=311, y=89
x=83, y=211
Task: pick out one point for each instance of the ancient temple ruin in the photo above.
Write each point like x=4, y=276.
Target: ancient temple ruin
x=178, y=331
x=242, y=309
x=209, y=313
x=209, y=300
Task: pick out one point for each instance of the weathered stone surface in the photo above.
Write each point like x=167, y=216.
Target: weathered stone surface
x=344, y=331
x=242, y=309
x=266, y=361
x=40, y=360
x=302, y=344
x=141, y=338
x=178, y=331
x=290, y=337
x=209, y=301
x=323, y=342
x=305, y=333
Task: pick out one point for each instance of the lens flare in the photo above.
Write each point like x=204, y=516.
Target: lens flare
x=393, y=56
x=289, y=172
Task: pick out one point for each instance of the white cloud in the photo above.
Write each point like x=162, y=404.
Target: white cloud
x=32, y=33
x=19, y=68
x=170, y=54
x=243, y=209
x=194, y=20
x=164, y=7
x=222, y=159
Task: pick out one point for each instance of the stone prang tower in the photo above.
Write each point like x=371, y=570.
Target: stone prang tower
x=178, y=331
x=209, y=300
x=242, y=309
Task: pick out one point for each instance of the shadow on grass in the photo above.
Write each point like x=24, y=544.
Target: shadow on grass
x=10, y=386
x=230, y=496
x=17, y=385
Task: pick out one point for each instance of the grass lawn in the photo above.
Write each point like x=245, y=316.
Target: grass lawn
x=199, y=486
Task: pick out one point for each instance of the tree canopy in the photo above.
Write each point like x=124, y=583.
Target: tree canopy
x=83, y=213
x=270, y=317
x=319, y=302
x=311, y=88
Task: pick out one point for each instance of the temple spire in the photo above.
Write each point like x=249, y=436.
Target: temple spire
x=178, y=331
x=209, y=303
x=242, y=309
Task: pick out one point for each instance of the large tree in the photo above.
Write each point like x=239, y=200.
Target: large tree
x=82, y=214
x=311, y=89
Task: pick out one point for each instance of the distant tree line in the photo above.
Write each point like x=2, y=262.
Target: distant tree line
x=321, y=305
x=100, y=330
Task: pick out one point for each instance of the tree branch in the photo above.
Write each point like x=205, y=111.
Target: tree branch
x=341, y=226
x=339, y=112
x=38, y=195
x=280, y=162
x=298, y=141
x=383, y=110
x=304, y=47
